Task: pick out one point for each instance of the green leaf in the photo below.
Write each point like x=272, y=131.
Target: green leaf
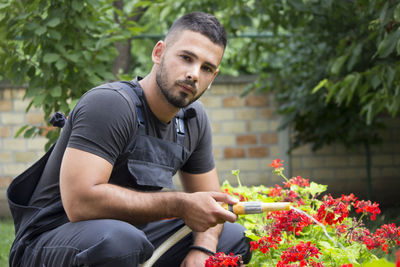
x=315, y=189
x=379, y=263
x=21, y=130
x=396, y=14
x=321, y=84
x=54, y=34
x=56, y=91
x=53, y=22
x=30, y=132
x=338, y=64
x=61, y=64
x=78, y=5
x=40, y=30
x=388, y=44
x=50, y=57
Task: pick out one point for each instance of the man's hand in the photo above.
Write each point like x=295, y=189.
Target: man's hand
x=195, y=258
x=202, y=210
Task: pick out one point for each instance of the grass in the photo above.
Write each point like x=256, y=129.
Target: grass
x=6, y=239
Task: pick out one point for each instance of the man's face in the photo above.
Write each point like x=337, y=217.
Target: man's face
x=188, y=66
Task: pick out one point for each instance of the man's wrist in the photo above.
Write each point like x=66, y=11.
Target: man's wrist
x=202, y=249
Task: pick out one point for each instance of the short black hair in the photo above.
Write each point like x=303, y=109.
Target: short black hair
x=203, y=23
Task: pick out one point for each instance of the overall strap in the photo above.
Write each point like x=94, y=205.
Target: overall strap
x=134, y=92
x=180, y=127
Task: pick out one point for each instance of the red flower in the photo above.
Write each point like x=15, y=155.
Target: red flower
x=299, y=181
x=265, y=243
x=275, y=191
x=347, y=265
x=276, y=163
x=398, y=258
x=332, y=211
x=222, y=260
x=288, y=221
x=350, y=199
x=302, y=253
x=366, y=207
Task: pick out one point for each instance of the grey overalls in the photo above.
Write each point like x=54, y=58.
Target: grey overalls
x=45, y=237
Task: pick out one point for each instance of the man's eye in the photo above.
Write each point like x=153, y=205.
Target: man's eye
x=184, y=57
x=207, y=69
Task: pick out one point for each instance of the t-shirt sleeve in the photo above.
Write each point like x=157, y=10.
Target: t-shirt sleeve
x=202, y=158
x=102, y=123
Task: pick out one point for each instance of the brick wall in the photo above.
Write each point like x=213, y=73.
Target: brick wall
x=245, y=137
x=16, y=154
x=344, y=171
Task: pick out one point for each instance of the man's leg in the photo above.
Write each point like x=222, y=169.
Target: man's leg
x=89, y=243
x=232, y=239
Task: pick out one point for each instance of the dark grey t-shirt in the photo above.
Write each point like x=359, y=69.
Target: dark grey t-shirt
x=104, y=123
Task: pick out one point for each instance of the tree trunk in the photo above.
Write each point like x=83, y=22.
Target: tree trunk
x=123, y=61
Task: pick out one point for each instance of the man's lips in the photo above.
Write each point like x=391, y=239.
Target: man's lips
x=187, y=87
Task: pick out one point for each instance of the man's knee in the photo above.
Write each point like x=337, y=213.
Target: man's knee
x=233, y=240
x=117, y=241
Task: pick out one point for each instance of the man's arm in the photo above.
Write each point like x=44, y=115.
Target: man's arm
x=86, y=194
x=203, y=183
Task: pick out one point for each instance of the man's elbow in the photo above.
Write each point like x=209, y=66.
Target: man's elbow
x=74, y=211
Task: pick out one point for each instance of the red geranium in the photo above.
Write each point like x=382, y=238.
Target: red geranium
x=366, y=207
x=220, y=259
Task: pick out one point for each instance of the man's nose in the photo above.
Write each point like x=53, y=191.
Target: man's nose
x=193, y=73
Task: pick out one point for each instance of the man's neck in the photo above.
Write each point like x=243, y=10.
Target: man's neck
x=161, y=108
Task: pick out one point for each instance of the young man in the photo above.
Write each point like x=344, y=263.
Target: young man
x=96, y=201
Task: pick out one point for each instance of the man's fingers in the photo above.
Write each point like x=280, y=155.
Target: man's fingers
x=223, y=197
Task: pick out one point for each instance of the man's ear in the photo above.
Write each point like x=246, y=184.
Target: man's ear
x=215, y=75
x=158, y=51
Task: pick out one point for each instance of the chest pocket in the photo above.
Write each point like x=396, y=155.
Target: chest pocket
x=149, y=163
x=152, y=162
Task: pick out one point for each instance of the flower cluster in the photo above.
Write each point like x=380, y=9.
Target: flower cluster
x=317, y=231
x=265, y=243
x=303, y=253
x=366, y=207
x=388, y=235
x=332, y=211
x=287, y=221
x=299, y=181
x=220, y=259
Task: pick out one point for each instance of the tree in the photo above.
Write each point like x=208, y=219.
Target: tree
x=60, y=48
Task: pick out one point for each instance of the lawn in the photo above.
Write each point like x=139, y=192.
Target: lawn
x=6, y=238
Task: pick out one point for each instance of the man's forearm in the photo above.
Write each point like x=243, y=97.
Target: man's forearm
x=115, y=202
x=209, y=238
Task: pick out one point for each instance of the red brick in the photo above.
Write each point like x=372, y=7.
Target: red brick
x=258, y=152
x=231, y=152
x=248, y=139
x=269, y=138
x=257, y=101
x=267, y=113
x=234, y=101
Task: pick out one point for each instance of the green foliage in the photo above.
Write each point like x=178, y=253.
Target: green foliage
x=59, y=48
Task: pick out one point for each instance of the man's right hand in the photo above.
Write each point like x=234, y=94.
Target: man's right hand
x=202, y=210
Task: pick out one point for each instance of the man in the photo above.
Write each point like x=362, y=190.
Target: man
x=96, y=202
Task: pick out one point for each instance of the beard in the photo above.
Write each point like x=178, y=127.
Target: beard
x=180, y=99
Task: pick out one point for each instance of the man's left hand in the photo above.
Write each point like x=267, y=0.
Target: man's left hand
x=195, y=258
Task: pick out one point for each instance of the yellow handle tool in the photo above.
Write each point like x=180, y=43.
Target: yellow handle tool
x=243, y=208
